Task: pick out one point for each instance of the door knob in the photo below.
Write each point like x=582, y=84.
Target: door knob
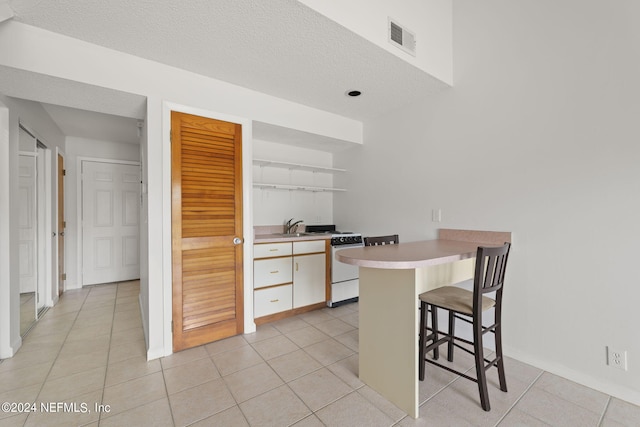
x=238, y=240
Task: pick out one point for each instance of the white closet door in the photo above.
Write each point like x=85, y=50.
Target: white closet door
x=27, y=221
x=110, y=226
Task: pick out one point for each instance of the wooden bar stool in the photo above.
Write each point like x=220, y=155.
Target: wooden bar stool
x=491, y=263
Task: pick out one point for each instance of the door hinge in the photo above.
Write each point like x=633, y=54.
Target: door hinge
x=64, y=172
x=64, y=276
x=64, y=224
x=172, y=326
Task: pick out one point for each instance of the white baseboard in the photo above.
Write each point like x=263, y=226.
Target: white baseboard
x=69, y=286
x=145, y=327
x=12, y=350
x=155, y=353
x=616, y=390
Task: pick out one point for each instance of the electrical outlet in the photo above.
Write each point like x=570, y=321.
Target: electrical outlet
x=616, y=358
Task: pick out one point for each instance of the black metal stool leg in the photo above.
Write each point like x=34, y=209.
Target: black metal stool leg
x=434, y=327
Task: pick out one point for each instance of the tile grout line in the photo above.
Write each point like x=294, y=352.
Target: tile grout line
x=164, y=382
x=106, y=368
x=322, y=366
x=604, y=411
x=561, y=398
x=220, y=376
x=286, y=383
x=130, y=379
x=520, y=398
x=237, y=404
x=467, y=371
x=59, y=351
x=352, y=390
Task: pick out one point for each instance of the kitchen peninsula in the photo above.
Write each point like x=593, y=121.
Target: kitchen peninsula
x=391, y=278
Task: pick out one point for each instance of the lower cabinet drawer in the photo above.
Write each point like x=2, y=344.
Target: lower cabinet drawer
x=272, y=271
x=272, y=300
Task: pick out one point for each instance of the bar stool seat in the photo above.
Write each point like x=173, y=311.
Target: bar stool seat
x=455, y=299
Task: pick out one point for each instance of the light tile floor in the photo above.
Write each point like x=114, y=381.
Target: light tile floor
x=89, y=350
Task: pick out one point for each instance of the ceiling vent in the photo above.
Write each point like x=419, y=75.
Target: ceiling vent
x=401, y=37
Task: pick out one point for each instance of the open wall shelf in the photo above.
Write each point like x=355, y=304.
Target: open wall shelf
x=295, y=166
x=294, y=187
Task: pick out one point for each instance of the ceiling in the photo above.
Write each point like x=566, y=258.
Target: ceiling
x=278, y=47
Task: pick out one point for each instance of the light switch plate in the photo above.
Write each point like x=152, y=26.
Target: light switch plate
x=436, y=215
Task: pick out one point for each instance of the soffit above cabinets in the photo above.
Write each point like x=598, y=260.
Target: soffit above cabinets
x=67, y=93
x=281, y=48
x=288, y=136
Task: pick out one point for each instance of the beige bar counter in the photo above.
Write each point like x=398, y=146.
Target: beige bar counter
x=391, y=278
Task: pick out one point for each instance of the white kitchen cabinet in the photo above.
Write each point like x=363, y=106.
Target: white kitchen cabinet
x=272, y=300
x=309, y=279
x=288, y=276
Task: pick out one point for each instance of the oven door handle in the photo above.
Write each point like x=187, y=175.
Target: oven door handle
x=356, y=245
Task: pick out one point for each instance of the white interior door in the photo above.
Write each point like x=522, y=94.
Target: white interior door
x=110, y=226
x=27, y=221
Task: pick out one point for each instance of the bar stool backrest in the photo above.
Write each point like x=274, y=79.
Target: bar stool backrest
x=381, y=240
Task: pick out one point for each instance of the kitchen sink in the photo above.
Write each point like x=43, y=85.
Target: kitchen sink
x=294, y=234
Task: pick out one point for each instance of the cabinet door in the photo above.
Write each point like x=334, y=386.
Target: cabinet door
x=309, y=279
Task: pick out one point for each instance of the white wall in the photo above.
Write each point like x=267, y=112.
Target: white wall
x=429, y=20
x=273, y=206
x=9, y=340
x=93, y=149
x=539, y=137
x=38, y=121
x=59, y=56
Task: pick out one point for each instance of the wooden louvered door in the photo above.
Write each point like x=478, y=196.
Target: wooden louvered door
x=206, y=230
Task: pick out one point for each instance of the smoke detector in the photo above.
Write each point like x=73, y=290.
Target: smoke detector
x=401, y=37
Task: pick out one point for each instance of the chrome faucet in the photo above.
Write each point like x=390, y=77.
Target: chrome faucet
x=290, y=228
